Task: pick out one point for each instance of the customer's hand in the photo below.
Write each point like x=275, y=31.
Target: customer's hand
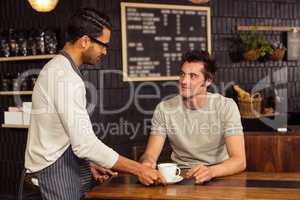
x=149, y=176
x=101, y=174
x=201, y=173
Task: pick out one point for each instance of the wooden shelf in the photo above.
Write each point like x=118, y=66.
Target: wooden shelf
x=19, y=58
x=259, y=116
x=5, y=93
x=14, y=126
x=268, y=28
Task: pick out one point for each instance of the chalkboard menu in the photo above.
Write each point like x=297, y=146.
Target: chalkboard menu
x=155, y=36
x=293, y=46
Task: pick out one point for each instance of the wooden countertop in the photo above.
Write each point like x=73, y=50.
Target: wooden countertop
x=248, y=185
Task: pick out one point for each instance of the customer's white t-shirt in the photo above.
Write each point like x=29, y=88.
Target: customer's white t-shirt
x=197, y=136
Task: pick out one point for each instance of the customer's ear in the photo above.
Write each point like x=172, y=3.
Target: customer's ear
x=208, y=82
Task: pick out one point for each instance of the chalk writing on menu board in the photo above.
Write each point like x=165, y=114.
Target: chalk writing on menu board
x=155, y=36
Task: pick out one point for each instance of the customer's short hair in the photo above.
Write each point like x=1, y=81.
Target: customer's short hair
x=87, y=21
x=210, y=67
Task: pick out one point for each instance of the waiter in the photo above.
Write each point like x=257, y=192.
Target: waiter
x=60, y=134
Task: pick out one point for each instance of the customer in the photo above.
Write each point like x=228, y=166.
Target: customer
x=204, y=129
x=60, y=133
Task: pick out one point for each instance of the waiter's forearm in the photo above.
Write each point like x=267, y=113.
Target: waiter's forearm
x=127, y=165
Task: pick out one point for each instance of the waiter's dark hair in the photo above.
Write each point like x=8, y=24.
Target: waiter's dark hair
x=87, y=21
x=210, y=67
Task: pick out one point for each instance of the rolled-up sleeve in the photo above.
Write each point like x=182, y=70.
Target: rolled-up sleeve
x=70, y=104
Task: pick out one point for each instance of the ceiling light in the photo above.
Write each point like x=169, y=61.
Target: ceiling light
x=43, y=5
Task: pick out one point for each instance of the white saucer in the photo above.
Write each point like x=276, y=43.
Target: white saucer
x=176, y=179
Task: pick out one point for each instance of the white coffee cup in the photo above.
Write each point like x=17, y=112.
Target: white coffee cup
x=168, y=170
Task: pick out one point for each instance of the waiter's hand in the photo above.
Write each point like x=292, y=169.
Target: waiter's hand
x=101, y=174
x=149, y=164
x=149, y=176
x=201, y=173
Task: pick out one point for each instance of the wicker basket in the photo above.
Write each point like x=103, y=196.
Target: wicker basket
x=250, y=107
x=278, y=54
x=251, y=55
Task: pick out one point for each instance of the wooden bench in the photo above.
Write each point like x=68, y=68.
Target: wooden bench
x=265, y=151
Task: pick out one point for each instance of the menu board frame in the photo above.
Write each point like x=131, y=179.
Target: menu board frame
x=125, y=5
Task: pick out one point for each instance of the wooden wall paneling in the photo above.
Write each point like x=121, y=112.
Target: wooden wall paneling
x=261, y=155
x=288, y=153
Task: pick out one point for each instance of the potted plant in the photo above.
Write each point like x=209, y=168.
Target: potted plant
x=257, y=47
x=265, y=48
x=250, y=43
x=278, y=51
